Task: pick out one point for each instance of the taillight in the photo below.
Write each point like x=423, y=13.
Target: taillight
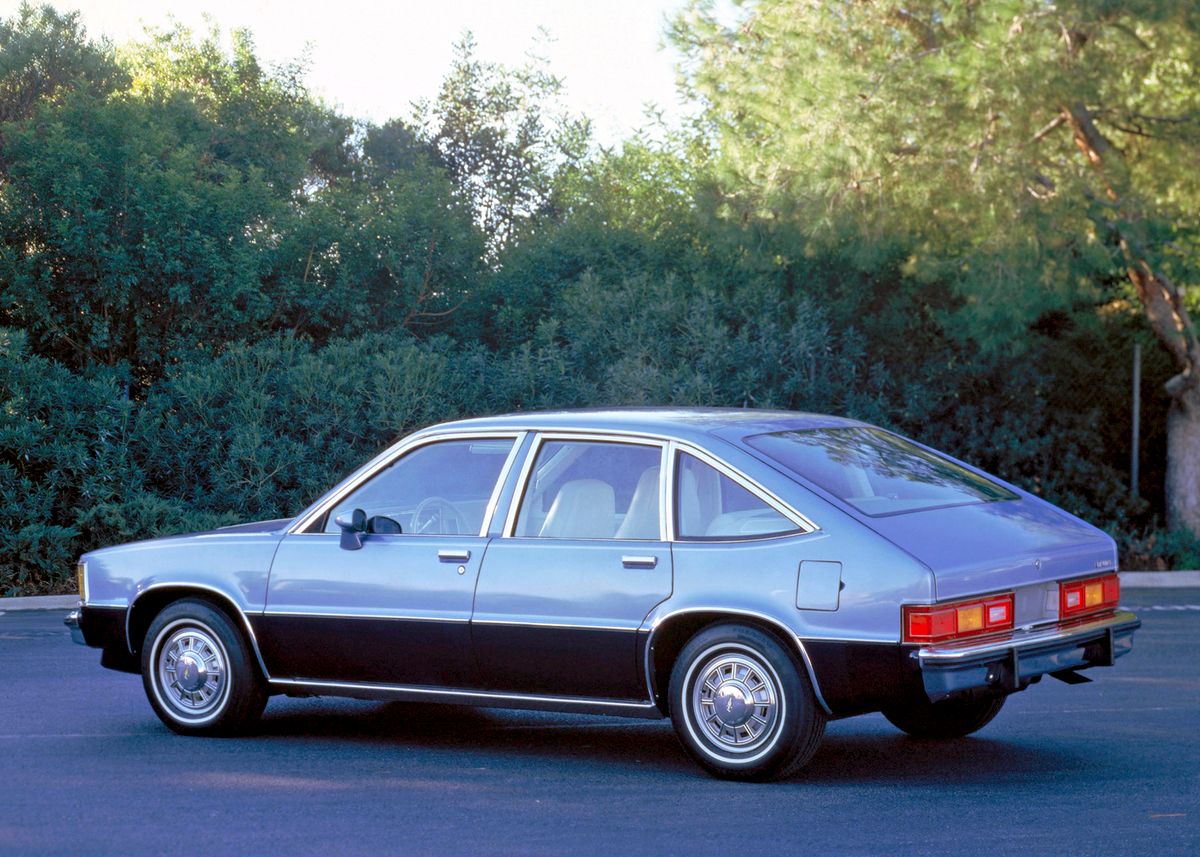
x=939, y=622
x=1080, y=597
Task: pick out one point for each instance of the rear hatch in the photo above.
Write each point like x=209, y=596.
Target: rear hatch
x=986, y=547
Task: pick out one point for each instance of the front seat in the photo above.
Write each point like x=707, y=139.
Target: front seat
x=582, y=509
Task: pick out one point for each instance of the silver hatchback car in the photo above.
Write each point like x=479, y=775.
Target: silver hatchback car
x=749, y=574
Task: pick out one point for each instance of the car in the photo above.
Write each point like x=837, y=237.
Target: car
x=748, y=574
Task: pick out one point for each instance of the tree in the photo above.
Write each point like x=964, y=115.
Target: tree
x=388, y=247
x=130, y=249
x=1038, y=154
x=502, y=139
x=45, y=54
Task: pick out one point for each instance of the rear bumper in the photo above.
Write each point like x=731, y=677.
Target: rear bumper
x=1011, y=662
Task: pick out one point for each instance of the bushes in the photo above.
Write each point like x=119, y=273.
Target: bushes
x=262, y=429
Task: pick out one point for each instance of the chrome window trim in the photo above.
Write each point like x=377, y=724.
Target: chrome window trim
x=490, y=511
x=804, y=524
x=410, y=445
x=541, y=438
x=482, y=696
x=730, y=611
x=203, y=588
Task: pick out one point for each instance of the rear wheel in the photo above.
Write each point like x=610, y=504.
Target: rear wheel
x=198, y=673
x=950, y=718
x=741, y=707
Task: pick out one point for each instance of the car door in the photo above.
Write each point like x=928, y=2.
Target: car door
x=582, y=560
x=396, y=610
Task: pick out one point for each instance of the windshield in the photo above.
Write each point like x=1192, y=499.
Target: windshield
x=877, y=472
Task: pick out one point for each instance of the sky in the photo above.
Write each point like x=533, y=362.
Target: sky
x=373, y=59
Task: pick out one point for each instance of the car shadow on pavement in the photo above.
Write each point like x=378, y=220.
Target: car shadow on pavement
x=858, y=758
x=875, y=758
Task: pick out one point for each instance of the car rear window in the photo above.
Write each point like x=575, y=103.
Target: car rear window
x=877, y=472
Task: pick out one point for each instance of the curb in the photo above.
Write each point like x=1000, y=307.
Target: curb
x=1160, y=579
x=39, y=602
x=1129, y=580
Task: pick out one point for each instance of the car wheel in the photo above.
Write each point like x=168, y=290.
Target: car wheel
x=742, y=707
x=949, y=718
x=198, y=673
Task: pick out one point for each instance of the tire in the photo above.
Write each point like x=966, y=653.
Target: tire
x=742, y=707
x=950, y=718
x=218, y=690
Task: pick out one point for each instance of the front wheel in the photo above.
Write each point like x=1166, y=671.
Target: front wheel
x=741, y=707
x=950, y=718
x=197, y=672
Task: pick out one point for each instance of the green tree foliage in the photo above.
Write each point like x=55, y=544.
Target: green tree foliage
x=502, y=139
x=44, y=54
x=1034, y=155
x=217, y=295
x=389, y=245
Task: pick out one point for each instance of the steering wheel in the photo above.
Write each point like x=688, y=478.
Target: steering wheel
x=433, y=514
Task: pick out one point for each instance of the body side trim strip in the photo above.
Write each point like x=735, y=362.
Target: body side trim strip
x=299, y=614
x=388, y=617
x=482, y=697
x=631, y=629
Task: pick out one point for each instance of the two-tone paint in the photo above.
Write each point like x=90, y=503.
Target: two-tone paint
x=593, y=625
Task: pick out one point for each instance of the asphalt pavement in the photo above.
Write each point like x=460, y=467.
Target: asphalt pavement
x=1111, y=767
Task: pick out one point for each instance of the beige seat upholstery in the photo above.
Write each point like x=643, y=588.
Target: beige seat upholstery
x=699, y=500
x=583, y=509
x=641, y=520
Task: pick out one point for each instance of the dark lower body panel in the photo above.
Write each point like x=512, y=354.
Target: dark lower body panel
x=104, y=628
x=855, y=678
x=579, y=662
x=373, y=650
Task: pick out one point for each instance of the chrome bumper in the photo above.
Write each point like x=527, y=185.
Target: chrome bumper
x=72, y=622
x=1009, y=663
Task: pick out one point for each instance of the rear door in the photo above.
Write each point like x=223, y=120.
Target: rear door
x=582, y=561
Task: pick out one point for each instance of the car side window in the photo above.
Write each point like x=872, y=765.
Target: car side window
x=438, y=489
x=592, y=490
x=711, y=506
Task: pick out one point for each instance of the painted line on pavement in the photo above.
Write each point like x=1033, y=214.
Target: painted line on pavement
x=1167, y=608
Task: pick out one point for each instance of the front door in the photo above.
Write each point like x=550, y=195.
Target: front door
x=561, y=598
x=396, y=610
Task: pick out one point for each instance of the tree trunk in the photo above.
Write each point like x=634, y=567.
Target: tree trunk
x=1163, y=302
x=1183, y=462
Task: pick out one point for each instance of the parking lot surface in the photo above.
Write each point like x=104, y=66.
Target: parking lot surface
x=1111, y=767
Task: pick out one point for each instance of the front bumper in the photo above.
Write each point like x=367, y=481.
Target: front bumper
x=1009, y=663
x=72, y=622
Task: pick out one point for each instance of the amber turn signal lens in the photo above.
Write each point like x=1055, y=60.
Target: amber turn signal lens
x=1081, y=597
x=940, y=623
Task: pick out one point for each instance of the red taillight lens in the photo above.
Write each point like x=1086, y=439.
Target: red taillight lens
x=1081, y=597
x=937, y=623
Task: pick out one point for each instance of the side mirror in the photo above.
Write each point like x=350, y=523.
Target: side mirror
x=352, y=526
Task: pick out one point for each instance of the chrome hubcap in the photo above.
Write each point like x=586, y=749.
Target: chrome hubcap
x=736, y=702
x=191, y=671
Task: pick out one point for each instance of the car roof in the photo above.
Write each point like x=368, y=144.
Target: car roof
x=683, y=423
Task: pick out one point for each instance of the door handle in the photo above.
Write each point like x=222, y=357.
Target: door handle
x=639, y=561
x=453, y=556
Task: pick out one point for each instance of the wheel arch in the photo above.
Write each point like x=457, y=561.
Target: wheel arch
x=670, y=633
x=154, y=599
